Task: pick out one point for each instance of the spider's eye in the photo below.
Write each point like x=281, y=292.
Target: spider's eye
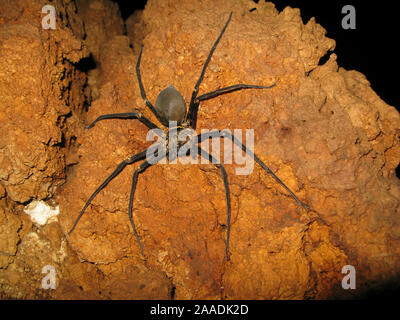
x=170, y=106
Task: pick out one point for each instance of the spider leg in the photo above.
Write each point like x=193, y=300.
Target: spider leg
x=142, y=92
x=126, y=115
x=236, y=87
x=227, y=134
x=193, y=106
x=120, y=167
x=206, y=155
x=139, y=170
x=263, y=165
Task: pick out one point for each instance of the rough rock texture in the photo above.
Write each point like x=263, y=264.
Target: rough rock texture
x=135, y=27
x=41, y=94
x=38, y=87
x=41, y=103
x=322, y=129
x=102, y=21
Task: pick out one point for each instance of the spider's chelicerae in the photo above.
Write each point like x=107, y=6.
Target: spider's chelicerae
x=170, y=106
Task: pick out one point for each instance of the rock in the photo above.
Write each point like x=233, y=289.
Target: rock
x=35, y=97
x=102, y=21
x=41, y=213
x=9, y=239
x=41, y=97
x=321, y=129
x=45, y=126
x=136, y=29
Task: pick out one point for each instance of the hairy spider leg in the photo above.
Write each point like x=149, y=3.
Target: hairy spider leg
x=139, y=170
x=193, y=106
x=120, y=167
x=143, y=166
x=208, y=156
x=195, y=101
x=142, y=92
x=216, y=134
x=125, y=115
x=262, y=164
x=229, y=89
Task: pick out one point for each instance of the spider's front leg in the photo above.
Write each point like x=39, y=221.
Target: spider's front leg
x=208, y=156
x=191, y=117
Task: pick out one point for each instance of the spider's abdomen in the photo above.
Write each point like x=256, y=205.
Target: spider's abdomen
x=170, y=106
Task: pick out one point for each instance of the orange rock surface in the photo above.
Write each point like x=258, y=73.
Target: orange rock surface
x=321, y=129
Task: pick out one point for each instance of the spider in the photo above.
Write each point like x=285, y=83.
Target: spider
x=171, y=106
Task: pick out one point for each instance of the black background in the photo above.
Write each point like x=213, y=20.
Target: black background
x=369, y=49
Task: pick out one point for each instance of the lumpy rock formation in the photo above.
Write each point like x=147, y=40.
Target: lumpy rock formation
x=321, y=129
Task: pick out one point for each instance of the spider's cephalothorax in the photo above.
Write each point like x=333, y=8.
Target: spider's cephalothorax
x=171, y=106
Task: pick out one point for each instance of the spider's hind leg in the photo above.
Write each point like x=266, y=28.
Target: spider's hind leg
x=263, y=165
x=208, y=156
x=146, y=164
x=217, y=134
x=140, y=169
x=120, y=167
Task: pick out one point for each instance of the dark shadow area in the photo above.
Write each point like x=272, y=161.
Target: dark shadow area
x=368, y=289
x=128, y=7
x=387, y=291
x=86, y=64
x=173, y=292
x=324, y=58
